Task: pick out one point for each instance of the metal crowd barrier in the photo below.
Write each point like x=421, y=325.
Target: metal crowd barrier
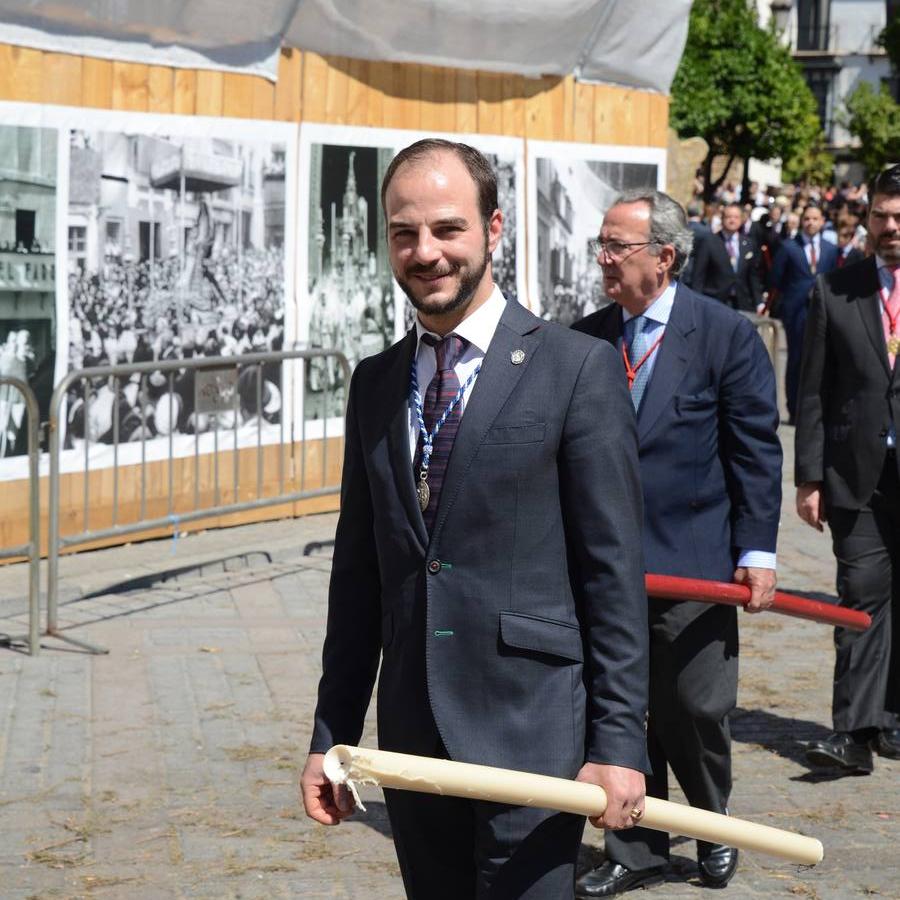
x=211, y=376
x=33, y=548
x=771, y=331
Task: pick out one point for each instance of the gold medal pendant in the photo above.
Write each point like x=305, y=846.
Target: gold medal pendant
x=424, y=494
x=893, y=345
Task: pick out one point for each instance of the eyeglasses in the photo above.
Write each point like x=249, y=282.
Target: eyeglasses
x=616, y=250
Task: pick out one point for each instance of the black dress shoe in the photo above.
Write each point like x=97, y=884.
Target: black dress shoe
x=717, y=864
x=887, y=743
x=611, y=878
x=841, y=749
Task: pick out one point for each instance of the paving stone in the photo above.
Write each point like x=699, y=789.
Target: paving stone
x=167, y=769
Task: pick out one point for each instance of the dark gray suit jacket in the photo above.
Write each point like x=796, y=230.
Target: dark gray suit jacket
x=521, y=625
x=848, y=393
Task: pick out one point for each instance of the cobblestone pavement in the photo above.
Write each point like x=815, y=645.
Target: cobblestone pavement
x=167, y=768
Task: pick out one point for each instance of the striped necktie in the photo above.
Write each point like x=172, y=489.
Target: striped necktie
x=441, y=391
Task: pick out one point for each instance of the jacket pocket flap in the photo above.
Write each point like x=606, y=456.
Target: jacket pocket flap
x=541, y=635
x=516, y=434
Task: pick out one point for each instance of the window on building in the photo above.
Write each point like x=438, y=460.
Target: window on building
x=113, y=248
x=820, y=81
x=24, y=229
x=149, y=233
x=245, y=229
x=78, y=247
x=813, y=20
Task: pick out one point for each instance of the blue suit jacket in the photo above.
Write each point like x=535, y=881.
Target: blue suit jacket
x=792, y=277
x=519, y=625
x=709, y=452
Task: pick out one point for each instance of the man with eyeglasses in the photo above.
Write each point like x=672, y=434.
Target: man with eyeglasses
x=703, y=390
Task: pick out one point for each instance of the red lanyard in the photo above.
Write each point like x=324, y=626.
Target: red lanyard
x=632, y=370
x=892, y=320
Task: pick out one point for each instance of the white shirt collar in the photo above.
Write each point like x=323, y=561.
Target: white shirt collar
x=660, y=309
x=478, y=329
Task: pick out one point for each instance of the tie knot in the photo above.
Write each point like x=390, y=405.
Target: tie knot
x=447, y=350
x=635, y=326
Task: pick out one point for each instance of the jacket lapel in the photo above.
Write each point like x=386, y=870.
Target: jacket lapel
x=671, y=364
x=518, y=329
x=396, y=389
x=801, y=253
x=868, y=302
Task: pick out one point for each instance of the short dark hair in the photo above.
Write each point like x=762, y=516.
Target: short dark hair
x=475, y=162
x=886, y=182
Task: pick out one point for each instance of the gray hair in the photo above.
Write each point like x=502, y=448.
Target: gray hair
x=668, y=223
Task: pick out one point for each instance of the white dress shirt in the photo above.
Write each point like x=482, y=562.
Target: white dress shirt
x=657, y=316
x=812, y=242
x=478, y=329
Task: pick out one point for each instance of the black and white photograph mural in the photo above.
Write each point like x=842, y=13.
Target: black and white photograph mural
x=348, y=276
x=28, y=198
x=176, y=248
x=570, y=188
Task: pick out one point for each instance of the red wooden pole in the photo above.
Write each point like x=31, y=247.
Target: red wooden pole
x=670, y=587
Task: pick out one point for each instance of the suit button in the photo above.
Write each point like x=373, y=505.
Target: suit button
x=434, y=566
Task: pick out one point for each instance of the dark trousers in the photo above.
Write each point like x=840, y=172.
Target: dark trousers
x=693, y=688
x=455, y=849
x=794, y=320
x=866, y=545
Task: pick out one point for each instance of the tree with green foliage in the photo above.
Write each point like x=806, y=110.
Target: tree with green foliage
x=814, y=166
x=874, y=119
x=738, y=88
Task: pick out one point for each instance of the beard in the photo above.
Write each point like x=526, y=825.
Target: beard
x=468, y=284
x=886, y=247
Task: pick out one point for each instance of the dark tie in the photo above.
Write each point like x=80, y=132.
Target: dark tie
x=441, y=391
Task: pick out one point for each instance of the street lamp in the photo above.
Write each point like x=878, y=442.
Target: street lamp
x=781, y=13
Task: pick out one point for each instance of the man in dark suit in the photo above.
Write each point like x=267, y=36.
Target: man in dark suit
x=701, y=233
x=793, y=272
x=848, y=252
x=727, y=266
x=704, y=392
x=503, y=584
x=847, y=475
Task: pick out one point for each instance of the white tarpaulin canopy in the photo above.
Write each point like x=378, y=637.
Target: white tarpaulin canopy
x=637, y=43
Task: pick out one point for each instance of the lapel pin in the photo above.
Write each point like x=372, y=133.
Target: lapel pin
x=517, y=357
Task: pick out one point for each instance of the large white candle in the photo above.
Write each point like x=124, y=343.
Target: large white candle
x=358, y=765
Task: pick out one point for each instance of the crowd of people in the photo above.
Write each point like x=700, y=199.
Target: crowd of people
x=149, y=310
x=761, y=253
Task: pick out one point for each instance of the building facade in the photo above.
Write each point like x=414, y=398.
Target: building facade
x=835, y=42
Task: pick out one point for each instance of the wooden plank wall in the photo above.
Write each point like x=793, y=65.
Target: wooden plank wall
x=312, y=88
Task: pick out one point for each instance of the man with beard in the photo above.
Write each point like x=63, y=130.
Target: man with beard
x=488, y=549
x=793, y=273
x=847, y=475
